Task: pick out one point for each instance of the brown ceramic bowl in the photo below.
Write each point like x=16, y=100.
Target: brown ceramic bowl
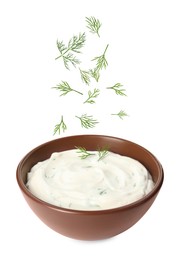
x=90, y=225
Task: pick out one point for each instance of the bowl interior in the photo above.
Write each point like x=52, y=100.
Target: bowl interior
x=90, y=142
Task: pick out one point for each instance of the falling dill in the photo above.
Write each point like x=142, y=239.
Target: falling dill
x=67, y=52
x=87, y=121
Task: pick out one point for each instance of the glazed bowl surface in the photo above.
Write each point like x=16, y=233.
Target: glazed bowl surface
x=90, y=225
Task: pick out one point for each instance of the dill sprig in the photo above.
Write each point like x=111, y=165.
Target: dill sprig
x=92, y=95
x=121, y=114
x=65, y=88
x=118, y=89
x=102, y=152
x=101, y=61
x=83, y=152
x=74, y=45
x=95, y=74
x=93, y=25
x=61, y=126
x=85, y=76
x=87, y=121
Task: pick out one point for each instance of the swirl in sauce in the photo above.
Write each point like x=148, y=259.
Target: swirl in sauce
x=67, y=181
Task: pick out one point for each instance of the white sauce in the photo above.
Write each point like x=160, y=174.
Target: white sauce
x=68, y=181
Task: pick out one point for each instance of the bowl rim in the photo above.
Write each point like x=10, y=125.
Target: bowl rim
x=136, y=203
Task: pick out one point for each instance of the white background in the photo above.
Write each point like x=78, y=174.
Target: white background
x=144, y=55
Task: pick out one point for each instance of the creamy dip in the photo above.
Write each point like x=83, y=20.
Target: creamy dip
x=68, y=181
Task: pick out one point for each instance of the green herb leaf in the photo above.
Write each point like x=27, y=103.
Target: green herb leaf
x=118, y=89
x=77, y=42
x=93, y=25
x=103, y=192
x=92, y=95
x=65, y=88
x=74, y=45
x=61, y=126
x=85, y=76
x=121, y=114
x=95, y=74
x=101, y=61
x=102, y=152
x=83, y=152
x=87, y=121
